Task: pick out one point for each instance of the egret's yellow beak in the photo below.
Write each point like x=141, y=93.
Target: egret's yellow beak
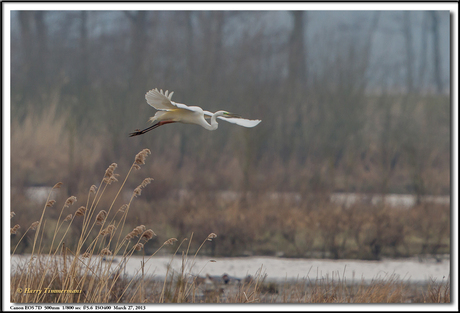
x=228, y=114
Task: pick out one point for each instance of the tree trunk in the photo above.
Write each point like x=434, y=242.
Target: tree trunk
x=436, y=57
x=297, y=63
x=409, y=52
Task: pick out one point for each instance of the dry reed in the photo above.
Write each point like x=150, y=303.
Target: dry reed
x=81, y=211
x=14, y=229
x=101, y=279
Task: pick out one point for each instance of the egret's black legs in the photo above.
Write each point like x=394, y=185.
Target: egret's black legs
x=140, y=132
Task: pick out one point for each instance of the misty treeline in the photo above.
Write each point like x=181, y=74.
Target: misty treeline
x=357, y=106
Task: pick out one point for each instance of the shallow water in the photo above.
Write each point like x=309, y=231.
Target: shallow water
x=40, y=194
x=284, y=269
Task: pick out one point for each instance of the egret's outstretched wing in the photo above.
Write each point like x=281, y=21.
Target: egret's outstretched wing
x=239, y=121
x=159, y=100
x=162, y=100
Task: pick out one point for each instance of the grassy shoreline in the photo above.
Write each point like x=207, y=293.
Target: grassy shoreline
x=100, y=235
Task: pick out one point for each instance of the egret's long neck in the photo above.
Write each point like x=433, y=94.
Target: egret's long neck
x=214, y=124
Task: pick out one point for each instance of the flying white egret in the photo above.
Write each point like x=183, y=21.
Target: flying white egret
x=171, y=112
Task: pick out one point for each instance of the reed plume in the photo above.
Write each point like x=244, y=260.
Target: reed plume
x=34, y=225
x=137, y=191
x=14, y=229
x=106, y=251
x=147, y=235
x=211, y=236
x=170, y=241
x=139, y=246
x=81, y=211
x=123, y=208
x=93, y=189
x=109, y=176
x=135, y=232
x=101, y=217
x=57, y=186
x=109, y=230
x=71, y=200
x=50, y=203
x=129, y=236
x=140, y=157
x=68, y=218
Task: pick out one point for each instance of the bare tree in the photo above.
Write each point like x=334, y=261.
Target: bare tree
x=297, y=64
x=423, y=51
x=407, y=31
x=209, y=52
x=436, y=58
x=190, y=55
x=84, y=50
x=138, y=23
x=26, y=19
x=316, y=112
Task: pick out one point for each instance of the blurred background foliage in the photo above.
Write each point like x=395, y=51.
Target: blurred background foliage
x=350, y=101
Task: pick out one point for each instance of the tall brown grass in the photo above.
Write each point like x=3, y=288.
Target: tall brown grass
x=100, y=239
x=85, y=269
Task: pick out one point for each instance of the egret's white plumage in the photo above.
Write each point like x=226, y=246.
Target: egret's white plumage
x=171, y=112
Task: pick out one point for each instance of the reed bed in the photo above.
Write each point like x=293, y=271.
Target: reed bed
x=86, y=270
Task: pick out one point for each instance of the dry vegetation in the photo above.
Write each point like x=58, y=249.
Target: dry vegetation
x=333, y=125
x=251, y=219
x=253, y=222
x=81, y=263
x=326, y=128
